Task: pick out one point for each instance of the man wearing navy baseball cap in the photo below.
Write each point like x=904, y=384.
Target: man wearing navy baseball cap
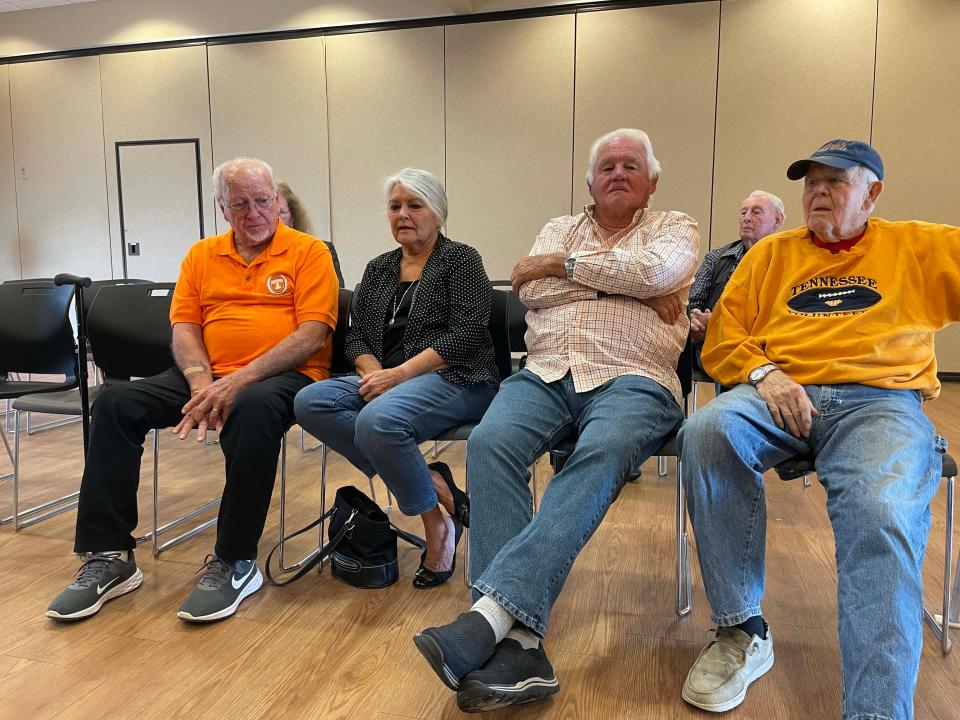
x=827, y=333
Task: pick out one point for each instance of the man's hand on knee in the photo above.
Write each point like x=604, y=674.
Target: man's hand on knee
x=210, y=406
x=788, y=403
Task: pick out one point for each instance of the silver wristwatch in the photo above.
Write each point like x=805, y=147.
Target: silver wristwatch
x=758, y=374
x=569, y=264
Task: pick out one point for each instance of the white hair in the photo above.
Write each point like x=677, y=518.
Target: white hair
x=868, y=176
x=638, y=136
x=775, y=202
x=219, y=182
x=424, y=185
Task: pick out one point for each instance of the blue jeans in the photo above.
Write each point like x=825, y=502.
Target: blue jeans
x=876, y=456
x=522, y=561
x=381, y=437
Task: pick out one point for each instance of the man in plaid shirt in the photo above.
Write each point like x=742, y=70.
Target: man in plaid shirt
x=601, y=367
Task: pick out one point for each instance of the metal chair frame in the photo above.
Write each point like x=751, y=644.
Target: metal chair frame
x=46, y=345
x=339, y=366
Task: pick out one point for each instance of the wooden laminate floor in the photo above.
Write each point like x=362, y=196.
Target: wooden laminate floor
x=321, y=649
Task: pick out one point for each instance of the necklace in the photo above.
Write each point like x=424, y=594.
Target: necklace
x=399, y=304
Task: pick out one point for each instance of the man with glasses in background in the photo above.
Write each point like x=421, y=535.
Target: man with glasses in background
x=252, y=314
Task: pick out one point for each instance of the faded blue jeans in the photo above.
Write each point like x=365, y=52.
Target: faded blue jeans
x=380, y=437
x=877, y=458
x=522, y=561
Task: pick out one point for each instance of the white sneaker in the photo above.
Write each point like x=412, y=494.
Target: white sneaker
x=719, y=679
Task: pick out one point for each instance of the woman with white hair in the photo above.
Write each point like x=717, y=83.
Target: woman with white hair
x=424, y=363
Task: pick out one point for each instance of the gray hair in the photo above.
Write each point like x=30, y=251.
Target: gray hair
x=424, y=185
x=775, y=202
x=638, y=136
x=219, y=183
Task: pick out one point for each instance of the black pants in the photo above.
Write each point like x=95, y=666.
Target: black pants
x=250, y=441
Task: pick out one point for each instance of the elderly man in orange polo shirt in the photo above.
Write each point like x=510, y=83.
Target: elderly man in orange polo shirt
x=251, y=315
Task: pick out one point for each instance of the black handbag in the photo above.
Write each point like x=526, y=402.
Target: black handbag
x=362, y=544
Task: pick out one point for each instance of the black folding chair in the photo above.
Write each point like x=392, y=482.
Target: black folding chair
x=339, y=366
x=939, y=623
x=130, y=336
x=36, y=338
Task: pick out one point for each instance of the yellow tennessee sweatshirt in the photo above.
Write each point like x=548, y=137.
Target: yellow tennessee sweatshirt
x=864, y=315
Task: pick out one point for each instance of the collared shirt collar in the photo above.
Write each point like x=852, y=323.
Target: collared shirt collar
x=737, y=248
x=279, y=244
x=590, y=212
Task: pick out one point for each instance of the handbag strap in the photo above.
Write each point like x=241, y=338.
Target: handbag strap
x=328, y=549
x=324, y=552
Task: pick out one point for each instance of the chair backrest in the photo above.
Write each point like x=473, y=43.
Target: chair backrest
x=35, y=331
x=499, y=332
x=90, y=293
x=516, y=323
x=339, y=364
x=129, y=328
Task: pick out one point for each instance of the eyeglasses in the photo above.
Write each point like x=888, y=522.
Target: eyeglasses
x=242, y=206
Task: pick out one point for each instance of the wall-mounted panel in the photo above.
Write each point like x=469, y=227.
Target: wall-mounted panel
x=157, y=95
x=268, y=100
x=385, y=113
x=655, y=69
x=9, y=236
x=792, y=76
x=509, y=133
x=915, y=122
x=58, y=163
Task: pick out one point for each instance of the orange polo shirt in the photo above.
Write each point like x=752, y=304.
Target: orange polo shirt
x=245, y=310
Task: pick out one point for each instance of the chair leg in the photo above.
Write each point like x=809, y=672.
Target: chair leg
x=158, y=530
x=940, y=624
x=683, y=574
x=662, y=465
x=806, y=480
x=35, y=514
x=6, y=444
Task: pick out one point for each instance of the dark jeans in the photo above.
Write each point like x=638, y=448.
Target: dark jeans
x=250, y=441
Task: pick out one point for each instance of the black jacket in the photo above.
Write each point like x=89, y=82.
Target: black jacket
x=449, y=312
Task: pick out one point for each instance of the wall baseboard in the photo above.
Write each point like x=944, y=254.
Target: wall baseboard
x=949, y=376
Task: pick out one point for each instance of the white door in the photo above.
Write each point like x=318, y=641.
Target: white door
x=160, y=206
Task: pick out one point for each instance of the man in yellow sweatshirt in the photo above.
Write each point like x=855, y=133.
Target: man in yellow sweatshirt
x=827, y=333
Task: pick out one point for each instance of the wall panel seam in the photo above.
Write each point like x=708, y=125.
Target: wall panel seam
x=13, y=168
x=106, y=174
x=716, y=115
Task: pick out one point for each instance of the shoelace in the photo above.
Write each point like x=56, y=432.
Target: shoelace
x=215, y=572
x=93, y=568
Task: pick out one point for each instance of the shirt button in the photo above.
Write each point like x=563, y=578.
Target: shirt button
x=249, y=277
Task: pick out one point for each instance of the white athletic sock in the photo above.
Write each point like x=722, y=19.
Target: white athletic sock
x=499, y=618
x=525, y=636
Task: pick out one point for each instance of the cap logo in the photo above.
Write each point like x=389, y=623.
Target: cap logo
x=833, y=147
x=278, y=284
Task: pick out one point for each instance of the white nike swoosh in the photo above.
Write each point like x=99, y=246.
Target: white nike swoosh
x=101, y=589
x=239, y=584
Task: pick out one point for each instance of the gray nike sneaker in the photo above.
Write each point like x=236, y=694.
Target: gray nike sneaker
x=221, y=589
x=103, y=576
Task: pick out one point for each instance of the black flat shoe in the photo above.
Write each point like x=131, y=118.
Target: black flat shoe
x=461, y=501
x=431, y=578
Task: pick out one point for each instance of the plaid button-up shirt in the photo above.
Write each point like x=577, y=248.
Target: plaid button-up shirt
x=593, y=323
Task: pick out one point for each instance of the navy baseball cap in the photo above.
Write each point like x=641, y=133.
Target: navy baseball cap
x=840, y=154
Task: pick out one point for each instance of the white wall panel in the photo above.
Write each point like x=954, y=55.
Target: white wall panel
x=155, y=95
x=915, y=123
x=386, y=112
x=58, y=161
x=9, y=235
x=268, y=100
x=654, y=69
x=509, y=133
x=792, y=76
